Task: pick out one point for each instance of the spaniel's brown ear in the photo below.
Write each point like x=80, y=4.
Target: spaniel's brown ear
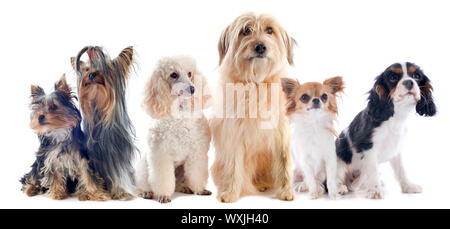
x=334, y=84
x=224, y=43
x=290, y=87
x=425, y=106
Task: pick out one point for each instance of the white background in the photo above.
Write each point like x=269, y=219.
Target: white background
x=355, y=39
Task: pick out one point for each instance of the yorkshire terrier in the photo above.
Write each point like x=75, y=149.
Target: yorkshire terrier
x=110, y=134
x=62, y=164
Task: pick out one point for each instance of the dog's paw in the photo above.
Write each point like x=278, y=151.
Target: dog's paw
x=411, y=188
x=184, y=189
x=57, y=195
x=301, y=187
x=205, y=192
x=99, y=196
x=286, y=195
x=263, y=188
x=31, y=190
x=342, y=189
x=334, y=195
x=163, y=199
x=228, y=197
x=375, y=193
x=146, y=195
x=122, y=196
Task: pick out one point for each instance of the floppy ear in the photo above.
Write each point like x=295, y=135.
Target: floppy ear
x=334, y=84
x=157, y=99
x=425, y=106
x=289, y=44
x=290, y=87
x=224, y=43
x=36, y=91
x=380, y=88
x=124, y=61
x=62, y=87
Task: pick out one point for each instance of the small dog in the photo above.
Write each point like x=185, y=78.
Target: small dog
x=110, y=135
x=254, y=52
x=377, y=133
x=62, y=161
x=179, y=140
x=312, y=109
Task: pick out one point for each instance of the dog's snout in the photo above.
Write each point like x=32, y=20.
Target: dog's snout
x=260, y=48
x=316, y=101
x=192, y=89
x=92, y=75
x=408, y=84
x=41, y=118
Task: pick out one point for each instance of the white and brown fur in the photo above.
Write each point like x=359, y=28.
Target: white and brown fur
x=179, y=138
x=254, y=50
x=312, y=109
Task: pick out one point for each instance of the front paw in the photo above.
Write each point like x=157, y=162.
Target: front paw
x=57, y=195
x=286, y=195
x=411, y=188
x=163, y=199
x=375, y=193
x=205, y=192
x=343, y=189
x=146, y=195
x=301, y=187
x=228, y=197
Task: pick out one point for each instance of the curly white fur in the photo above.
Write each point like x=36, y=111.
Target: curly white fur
x=178, y=157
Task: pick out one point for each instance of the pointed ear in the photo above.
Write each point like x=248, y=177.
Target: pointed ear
x=224, y=43
x=124, y=60
x=36, y=91
x=290, y=87
x=62, y=87
x=334, y=84
x=289, y=44
x=425, y=106
x=74, y=64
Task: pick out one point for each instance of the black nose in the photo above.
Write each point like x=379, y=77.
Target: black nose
x=41, y=118
x=192, y=89
x=408, y=84
x=260, y=48
x=92, y=75
x=316, y=101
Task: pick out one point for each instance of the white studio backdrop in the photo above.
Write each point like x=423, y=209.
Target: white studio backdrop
x=355, y=39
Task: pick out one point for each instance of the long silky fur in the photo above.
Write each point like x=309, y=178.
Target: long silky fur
x=110, y=141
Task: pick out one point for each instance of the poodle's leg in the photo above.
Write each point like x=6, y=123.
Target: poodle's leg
x=400, y=174
x=161, y=176
x=196, y=174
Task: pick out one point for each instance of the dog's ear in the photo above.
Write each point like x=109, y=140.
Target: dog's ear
x=74, y=64
x=290, y=87
x=289, y=44
x=224, y=43
x=124, y=61
x=36, y=91
x=380, y=88
x=63, y=87
x=425, y=106
x=157, y=96
x=334, y=84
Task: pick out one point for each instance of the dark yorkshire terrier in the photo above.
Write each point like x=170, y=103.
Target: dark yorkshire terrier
x=101, y=90
x=62, y=165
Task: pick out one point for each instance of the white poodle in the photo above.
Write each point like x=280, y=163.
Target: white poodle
x=179, y=139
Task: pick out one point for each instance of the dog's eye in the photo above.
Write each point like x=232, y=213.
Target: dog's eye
x=53, y=107
x=393, y=78
x=174, y=75
x=304, y=98
x=415, y=76
x=246, y=31
x=189, y=74
x=269, y=30
x=324, y=97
